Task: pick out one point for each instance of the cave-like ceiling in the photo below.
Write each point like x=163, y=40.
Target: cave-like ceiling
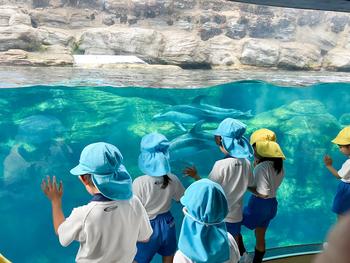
x=327, y=5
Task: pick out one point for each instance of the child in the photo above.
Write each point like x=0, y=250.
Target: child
x=156, y=190
x=233, y=172
x=262, y=206
x=204, y=237
x=341, y=203
x=110, y=225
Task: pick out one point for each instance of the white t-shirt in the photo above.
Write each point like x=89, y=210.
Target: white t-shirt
x=266, y=179
x=107, y=231
x=155, y=199
x=233, y=175
x=344, y=171
x=234, y=253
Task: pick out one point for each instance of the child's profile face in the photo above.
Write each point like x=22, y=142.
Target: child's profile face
x=218, y=141
x=344, y=149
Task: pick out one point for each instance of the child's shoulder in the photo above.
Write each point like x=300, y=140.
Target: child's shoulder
x=231, y=161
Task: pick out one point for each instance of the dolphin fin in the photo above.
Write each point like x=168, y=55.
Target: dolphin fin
x=198, y=99
x=197, y=127
x=180, y=126
x=248, y=113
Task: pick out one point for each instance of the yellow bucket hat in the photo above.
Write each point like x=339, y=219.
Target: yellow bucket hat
x=269, y=149
x=262, y=135
x=343, y=137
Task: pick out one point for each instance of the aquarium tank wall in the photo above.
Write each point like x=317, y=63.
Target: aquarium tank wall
x=44, y=129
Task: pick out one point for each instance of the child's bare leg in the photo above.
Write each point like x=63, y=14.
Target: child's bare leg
x=168, y=259
x=260, y=244
x=260, y=238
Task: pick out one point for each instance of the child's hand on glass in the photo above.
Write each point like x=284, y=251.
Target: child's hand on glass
x=191, y=172
x=51, y=190
x=328, y=160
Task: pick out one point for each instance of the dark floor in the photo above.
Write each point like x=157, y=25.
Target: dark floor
x=330, y=5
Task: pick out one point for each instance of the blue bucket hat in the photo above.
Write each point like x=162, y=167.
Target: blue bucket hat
x=203, y=236
x=154, y=157
x=104, y=162
x=231, y=131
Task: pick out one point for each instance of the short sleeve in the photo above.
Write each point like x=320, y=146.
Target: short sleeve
x=251, y=182
x=72, y=228
x=145, y=229
x=136, y=188
x=263, y=186
x=216, y=174
x=344, y=171
x=179, y=189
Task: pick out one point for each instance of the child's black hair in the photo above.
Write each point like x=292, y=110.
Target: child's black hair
x=166, y=181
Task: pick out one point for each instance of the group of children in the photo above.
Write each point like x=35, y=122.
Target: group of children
x=131, y=221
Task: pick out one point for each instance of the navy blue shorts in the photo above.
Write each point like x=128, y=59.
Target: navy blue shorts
x=259, y=212
x=341, y=202
x=162, y=241
x=234, y=228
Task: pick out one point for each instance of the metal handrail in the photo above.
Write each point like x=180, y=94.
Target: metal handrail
x=294, y=250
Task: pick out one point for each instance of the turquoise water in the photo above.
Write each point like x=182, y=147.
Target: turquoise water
x=44, y=128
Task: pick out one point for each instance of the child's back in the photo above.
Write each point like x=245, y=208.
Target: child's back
x=107, y=231
x=155, y=199
x=233, y=175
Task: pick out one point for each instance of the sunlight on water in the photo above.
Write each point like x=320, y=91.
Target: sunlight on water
x=43, y=130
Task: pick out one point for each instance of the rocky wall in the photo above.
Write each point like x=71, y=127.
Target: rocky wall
x=187, y=33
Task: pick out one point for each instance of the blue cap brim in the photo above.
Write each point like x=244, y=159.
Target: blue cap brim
x=78, y=170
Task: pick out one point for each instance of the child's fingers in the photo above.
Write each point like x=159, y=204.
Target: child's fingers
x=49, y=186
x=54, y=183
x=43, y=185
x=60, y=187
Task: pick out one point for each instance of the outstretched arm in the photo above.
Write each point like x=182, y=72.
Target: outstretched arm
x=54, y=194
x=192, y=172
x=329, y=165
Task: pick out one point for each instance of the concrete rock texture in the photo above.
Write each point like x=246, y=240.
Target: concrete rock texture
x=186, y=33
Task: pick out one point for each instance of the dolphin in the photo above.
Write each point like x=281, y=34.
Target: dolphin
x=192, y=143
x=178, y=118
x=192, y=113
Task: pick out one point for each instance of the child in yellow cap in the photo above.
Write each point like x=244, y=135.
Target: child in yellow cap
x=262, y=134
x=268, y=176
x=341, y=203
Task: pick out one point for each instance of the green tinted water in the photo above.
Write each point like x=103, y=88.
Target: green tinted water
x=43, y=130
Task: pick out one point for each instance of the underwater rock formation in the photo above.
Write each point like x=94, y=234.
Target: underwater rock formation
x=190, y=34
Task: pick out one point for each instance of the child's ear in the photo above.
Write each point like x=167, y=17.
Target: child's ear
x=83, y=179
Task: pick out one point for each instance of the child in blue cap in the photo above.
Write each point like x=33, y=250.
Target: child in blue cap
x=108, y=227
x=204, y=237
x=233, y=172
x=341, y=203
x=156, y=190
x=262, y=207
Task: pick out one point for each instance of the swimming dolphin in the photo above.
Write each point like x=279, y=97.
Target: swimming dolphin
x=192, y=143
x=178, y=118
x=180, y=114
